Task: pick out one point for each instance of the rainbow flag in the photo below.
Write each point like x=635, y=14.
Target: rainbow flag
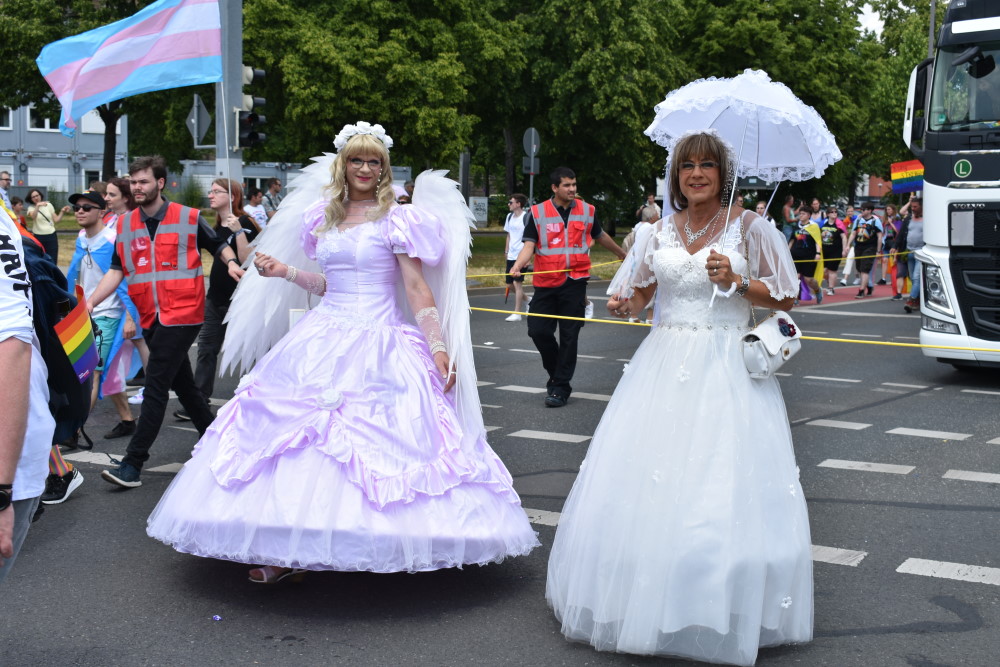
x=907, y=176
x=77, y=337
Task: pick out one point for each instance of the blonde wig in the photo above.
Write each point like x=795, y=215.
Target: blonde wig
x=357, y=145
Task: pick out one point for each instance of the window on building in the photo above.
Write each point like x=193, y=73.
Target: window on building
x=5, y=119
x=42, y=122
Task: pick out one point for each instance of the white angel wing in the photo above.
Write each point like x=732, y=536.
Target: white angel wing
x=626, y=278
x=441, y=196
x=258, y=313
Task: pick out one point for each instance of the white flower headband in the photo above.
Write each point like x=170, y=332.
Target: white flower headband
x=361, y=127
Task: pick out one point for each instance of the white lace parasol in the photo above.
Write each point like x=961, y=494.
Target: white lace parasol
x=776, y=135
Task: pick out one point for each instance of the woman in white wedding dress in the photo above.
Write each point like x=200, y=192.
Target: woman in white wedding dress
x=693, y=539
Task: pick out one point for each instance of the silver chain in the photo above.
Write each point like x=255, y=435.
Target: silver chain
x=694, y=236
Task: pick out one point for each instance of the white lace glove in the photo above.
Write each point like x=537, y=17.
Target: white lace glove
x=429, y=322
x=314, y=283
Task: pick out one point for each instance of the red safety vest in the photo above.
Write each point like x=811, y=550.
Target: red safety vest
x=562, y=245
x=164, y=276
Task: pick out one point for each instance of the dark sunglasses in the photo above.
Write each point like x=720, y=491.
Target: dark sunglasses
x=86, y=208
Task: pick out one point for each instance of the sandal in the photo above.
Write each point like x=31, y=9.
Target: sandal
x=269, y=574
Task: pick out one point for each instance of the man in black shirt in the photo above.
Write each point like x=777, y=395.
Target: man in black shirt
x=559, y=233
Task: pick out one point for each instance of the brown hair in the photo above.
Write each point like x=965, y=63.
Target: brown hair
x=702, y=145
x=124, y=187
x=236, y=204
x=154, y=162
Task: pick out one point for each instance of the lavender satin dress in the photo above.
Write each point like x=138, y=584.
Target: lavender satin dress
x=340, y=450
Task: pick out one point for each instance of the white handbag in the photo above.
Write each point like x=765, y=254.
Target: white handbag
x=770, y=344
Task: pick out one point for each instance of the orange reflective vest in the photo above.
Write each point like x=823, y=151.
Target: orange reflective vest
x=562, y=247
x=164, y=273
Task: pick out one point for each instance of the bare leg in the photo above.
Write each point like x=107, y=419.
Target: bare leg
x=121, y=404
x=518, y=296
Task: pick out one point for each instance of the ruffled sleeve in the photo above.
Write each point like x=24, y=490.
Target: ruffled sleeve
x=312, y=218
x=637, y=267
x=410, y=230
x=769, y=258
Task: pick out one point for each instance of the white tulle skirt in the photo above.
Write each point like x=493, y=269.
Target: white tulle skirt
x=686, y=532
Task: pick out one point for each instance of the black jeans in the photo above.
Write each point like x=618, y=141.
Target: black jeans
x=168, y=368
x=51, y=244
x=213, y=332
x=558, y=358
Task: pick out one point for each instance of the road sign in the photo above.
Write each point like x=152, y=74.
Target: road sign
x=531, y=142
x=530, y=165
x=198, y=120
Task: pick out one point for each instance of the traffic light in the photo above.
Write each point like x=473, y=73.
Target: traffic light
x=249, y=120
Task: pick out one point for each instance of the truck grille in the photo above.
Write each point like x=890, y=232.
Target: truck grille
x=976, y=277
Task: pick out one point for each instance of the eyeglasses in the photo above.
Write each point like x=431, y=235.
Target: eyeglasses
x=5, y=178
x=704, y=166
x=357, y=163
x=215, y=191
x=86, y=208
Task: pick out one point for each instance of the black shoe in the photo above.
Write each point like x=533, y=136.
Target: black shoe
x=38, y=513
x=555, y=401
x=182, y=415
x=860, y=294
x=57, y=489
x=897, y=297
x=870, y=290
x=70, y=443
x=882, y=282
x=124, y=475
x=120, y=430
x=138, y=381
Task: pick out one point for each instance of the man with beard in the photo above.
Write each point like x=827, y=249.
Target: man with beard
x=158, y=252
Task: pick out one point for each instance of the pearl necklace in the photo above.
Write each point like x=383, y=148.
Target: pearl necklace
x=694, y=236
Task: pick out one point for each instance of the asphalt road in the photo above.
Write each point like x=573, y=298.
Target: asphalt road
x=91, y=588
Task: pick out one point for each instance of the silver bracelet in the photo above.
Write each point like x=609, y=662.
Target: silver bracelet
x=438, y=347
x=744, y=286
x=291, y=274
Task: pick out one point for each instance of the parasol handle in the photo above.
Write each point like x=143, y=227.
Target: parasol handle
x=729, y=211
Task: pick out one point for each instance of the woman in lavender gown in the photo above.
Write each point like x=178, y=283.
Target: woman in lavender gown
x=356, y=443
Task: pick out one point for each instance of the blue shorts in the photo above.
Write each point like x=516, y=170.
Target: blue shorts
x=107, y=326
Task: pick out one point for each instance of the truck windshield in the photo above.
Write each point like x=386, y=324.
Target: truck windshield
x=966, y=96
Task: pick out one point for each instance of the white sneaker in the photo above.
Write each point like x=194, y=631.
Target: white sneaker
x=588, y=311
x=829, y=292
x=514, y=317
x=137, y=399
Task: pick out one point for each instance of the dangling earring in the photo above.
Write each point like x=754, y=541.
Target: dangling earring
x=377, y=184
x=347, y=190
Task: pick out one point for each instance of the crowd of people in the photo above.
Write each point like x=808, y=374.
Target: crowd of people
x=355, y=440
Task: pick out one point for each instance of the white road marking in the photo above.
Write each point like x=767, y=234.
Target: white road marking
x=548, y=435
x=515, y=349
x=592, y=397
x=542, y=517
x=866, y=466
x=183, y=428
x=857, y=335
x=524, y=390
x=784, y=375
x=623, y=360
x=904, y=386
x=799, y=421
x=908, y=337
x=972, y=476
x=483, y=383
x=490, y=429
x=91, y=457
x=921, y=433
x=944, y=570
x=486, y=347
x=889, y=391
x=981, y=391
x=815, y=333
x=833, y=423
x=485, y=405
x=820, y=377
x=994, y=441
x=587, y=356
x=836, y=556
x=169, y=467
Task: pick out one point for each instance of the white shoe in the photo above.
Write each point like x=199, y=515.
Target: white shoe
x=137, y=399
x=588, y=311
x=829, y=292
x=513, y=318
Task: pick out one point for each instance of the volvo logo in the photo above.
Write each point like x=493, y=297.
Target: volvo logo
x=968, y=206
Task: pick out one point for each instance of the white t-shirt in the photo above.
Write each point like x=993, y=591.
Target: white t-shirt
x=16, y=322
x=91, y=274
x=258, y=214
x=515, y=230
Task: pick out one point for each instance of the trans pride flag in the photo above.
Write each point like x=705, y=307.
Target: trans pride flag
x=76, y=334
x=907, y=176
x=169, y=44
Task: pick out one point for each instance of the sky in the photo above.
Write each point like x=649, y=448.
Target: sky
x=870, y=20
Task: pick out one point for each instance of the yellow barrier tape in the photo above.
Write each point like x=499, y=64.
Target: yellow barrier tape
x=538, y=273
x=828, y=340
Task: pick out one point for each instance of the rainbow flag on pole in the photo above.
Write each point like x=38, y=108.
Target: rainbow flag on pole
x=77, y=337
x=907, y=176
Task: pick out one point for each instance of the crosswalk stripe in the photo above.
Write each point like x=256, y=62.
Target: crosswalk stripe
x=169, y=467
x=922, y=433
x=836, y=556
x=91, y=457
x=542, y=517
x=935, y=568
x=524, y=390
x=490, y=429
x=548, y=435
x=833, y=423
x=973, y=476
x=994, y=441
x=866, y=466
x=481, y=383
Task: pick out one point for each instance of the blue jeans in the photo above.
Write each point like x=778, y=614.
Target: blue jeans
x=913, y=269
x=23, y=511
